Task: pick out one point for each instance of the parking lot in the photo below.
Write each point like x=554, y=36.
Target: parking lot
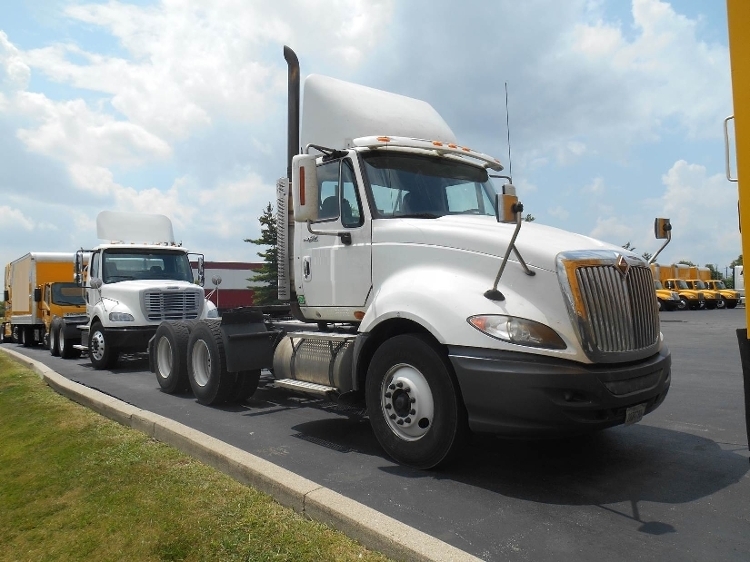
x=673, y=487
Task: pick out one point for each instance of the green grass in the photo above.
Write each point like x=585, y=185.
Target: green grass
x=77, y=486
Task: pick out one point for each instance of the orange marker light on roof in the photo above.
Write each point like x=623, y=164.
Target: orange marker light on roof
x=451, y=145
x=466, y=149
x=384, y=139
x=437, y=143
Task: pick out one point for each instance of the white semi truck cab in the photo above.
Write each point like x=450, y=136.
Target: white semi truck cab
x=419, y=294
x=134, y=281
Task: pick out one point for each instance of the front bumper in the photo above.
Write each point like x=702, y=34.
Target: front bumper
x=523, y=395
x=130, y=339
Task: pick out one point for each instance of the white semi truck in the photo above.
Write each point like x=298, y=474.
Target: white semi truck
x=418, y=294
x=134, y=281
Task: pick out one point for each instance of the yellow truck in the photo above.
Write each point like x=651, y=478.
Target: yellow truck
x=690, y=274
x=728, y=297
x=43, y=304
x=689, y=298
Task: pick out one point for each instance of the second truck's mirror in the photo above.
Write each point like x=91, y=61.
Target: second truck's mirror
x=662, y=228
x=37, y=294
x=305, y=186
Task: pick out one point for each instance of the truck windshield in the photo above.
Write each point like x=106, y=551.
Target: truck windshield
x=67, y=294
x=657, y=284
x=125, y=265
x=421, y=186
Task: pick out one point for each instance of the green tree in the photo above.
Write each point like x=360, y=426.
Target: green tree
x=686, y=262
x=738, y=261
x=268, y=274
x=529, y=218
x=715, y=273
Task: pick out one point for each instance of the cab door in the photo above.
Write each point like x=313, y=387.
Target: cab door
x=335, y=259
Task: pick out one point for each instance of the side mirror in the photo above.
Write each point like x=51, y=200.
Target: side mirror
x=6, y=295
x=78, y=269
x=304, y=188
x=506, y=204
x=37, y=294
x=662, y=227
x=201, y=271
x=96, y=283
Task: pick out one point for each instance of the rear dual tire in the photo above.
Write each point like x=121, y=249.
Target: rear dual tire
x=209, y=379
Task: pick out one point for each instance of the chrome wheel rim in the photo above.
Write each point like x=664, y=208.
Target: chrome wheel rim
x=407, y=402
x=97, y=345
x=201, y=363
x=164, y=358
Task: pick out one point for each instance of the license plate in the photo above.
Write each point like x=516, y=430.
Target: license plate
x=634, y=414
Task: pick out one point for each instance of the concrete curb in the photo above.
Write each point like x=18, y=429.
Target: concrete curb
x=370, y=527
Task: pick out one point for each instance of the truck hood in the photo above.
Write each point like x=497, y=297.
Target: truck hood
x=537, y=243
x=139, y=284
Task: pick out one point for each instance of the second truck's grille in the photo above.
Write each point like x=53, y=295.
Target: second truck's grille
x=171, y=305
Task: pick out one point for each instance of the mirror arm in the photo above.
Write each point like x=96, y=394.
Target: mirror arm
x=346, y=237
x=494, y=294
x=669, y=239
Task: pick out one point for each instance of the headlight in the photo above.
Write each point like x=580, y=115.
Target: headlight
x=212, y=313
x=517, y=330
x=121, y=317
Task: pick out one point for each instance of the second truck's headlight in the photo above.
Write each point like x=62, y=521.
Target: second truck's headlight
x=121, y=317
x=517, y=330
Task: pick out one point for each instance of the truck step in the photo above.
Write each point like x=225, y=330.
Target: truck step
x=80, y=347
x=306, y=387
x=322, y=336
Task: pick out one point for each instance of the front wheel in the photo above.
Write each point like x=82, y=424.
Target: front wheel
x=414, y=403
x=101, y=352
x=52, y=341
x=722, y=303
x=684, y=304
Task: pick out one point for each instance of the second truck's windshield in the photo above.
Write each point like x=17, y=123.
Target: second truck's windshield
x=413, y=185
x=126, y=265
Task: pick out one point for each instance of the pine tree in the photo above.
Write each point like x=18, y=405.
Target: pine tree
x=269, y=271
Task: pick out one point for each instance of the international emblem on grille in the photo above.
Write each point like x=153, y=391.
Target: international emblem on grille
x=622, y=266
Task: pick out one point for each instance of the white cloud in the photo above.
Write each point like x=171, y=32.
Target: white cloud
x=559, y=212
x=613, y=230
x=596, y=187
x=73, y=132
x=11, y=219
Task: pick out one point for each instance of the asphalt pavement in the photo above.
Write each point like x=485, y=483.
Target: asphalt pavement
x=673, y=487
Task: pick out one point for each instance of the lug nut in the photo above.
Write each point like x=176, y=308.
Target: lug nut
x=392, y=386
x=412, y=412
x=393, y=416
x=388, y=407
x=400, y=422
x=407, y=389
x=413, y=400
x=400, y=384
x=388, y=394
x=407, y=420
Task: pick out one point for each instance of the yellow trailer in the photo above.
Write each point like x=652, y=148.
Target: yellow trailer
x=42, y=298
x=738, y=14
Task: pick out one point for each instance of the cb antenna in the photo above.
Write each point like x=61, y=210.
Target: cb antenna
x=507, y=128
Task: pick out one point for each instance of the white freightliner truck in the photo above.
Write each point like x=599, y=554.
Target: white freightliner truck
x=134, y=281
x=419, y=297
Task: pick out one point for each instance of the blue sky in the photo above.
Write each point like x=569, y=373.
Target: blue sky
x=616, y=110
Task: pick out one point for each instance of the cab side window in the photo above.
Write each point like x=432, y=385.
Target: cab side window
x=94, y=267
x=328, y=190
x=337, y=193
x=351, y=214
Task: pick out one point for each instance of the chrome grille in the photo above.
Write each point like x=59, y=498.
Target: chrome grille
x=615, y=312
x=172, y=305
